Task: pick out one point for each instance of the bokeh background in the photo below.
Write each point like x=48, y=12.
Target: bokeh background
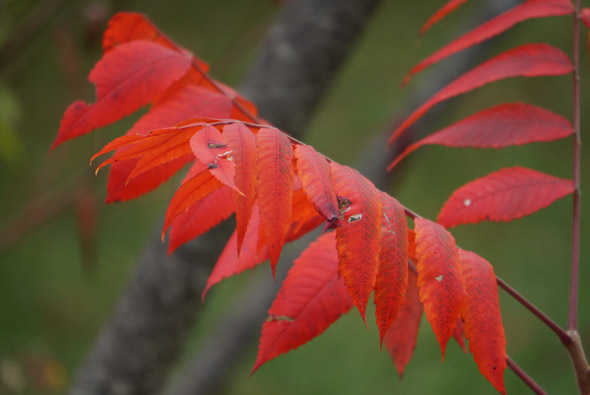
x=65, y=257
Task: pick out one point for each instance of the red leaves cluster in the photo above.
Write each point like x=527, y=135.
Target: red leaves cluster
x=280, y=189
x=507, y=194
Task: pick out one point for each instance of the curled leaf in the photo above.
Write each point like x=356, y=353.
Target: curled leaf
x=442, y=288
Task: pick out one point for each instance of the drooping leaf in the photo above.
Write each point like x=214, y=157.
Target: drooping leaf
x=312, y=297
x=442, y=12
x=483, y=322
x=200, y=217
x=242, y=143
x=459, y=335
x=275, y=188
x=316, y=179
x=442, y=288
x=245, y=110
x=400, y=338
x=529, y=60
x=585, y=17
x=131, y=26
x=176, y=104
x=180, y=103
x=157, y=148
x=120, y=188
x=192, y=189
x=305, y=217
x=392, y=275
x=497, y=127
x=229, y=264
x=210, y=148
x=522, y=12
x=126, y=78
x=358, y=237
x=504, y=195
x=411, y=244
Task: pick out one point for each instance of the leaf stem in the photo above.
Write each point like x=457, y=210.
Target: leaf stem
x=563, y=335
x=572, y=322
x=218, y=87
x=532, y=384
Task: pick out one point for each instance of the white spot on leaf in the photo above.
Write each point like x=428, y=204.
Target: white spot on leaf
x=354, y=218
x=439, y=278
x=467, y=202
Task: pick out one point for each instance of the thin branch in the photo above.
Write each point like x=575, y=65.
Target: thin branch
x=39, y=210
x=532, y=384
x=219, y=89
x=572, y=322
x=27, y=29
x=563, y=336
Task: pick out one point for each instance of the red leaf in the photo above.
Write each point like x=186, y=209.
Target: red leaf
x=497, y=127
x=175, y=105
x=585, y=17
x=305, y=218
x=242, y=143
x=200, y=217
x=529, y=60
x=316, y=179
x=392, y=276
x=182, y=103
x=131, y=26
x=459, y=336
x=157, y=148
x=312, y=297
x=527, y=10
x=504, y=195
x=210, y=148
x=483, y=322
x=411, y=244
x=120, y=188
x=400, y=338
x=275, y=187
x=246, y=110
x=190, y=192
x=229, y=263
x=442, y=288
x=126, y=78
x=442, y=12
x=358, y=236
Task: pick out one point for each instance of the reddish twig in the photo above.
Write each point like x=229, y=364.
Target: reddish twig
x=219, y=89
x=572, y=322
x=37, y=212
x=563, y=335
x=532, y=384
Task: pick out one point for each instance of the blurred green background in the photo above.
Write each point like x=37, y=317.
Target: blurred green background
x=60, y=275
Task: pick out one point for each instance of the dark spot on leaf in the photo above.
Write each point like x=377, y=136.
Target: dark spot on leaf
x=212, y=165
x=343, y=204
x=214, y=146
